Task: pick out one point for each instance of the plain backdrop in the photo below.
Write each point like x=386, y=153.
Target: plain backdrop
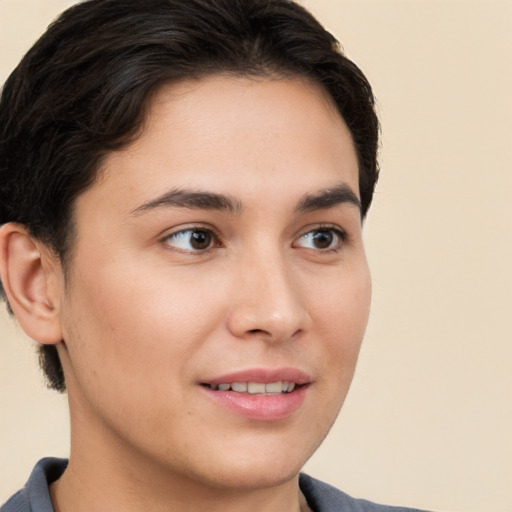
x=428, y=422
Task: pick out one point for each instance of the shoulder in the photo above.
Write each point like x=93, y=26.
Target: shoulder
x=323, y=497
x=35, y=496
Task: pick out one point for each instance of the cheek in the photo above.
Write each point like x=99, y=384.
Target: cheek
x=342, y=305
x=135, y=322
x=129, y=342
x=341, y=316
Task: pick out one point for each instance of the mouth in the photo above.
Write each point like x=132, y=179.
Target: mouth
x=263, y=395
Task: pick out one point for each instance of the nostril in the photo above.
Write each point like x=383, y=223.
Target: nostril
x=257, y=331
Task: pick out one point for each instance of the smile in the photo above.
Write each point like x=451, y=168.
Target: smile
x=255, y=388
x=260, y=394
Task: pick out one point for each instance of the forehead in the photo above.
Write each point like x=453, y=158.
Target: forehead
x=236, y=106
x=227, y=133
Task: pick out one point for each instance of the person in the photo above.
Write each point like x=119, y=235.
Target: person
x=183, y=186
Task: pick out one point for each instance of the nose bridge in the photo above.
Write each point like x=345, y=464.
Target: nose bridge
x=268, y=301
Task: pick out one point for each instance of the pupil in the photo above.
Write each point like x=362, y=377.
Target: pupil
x=322, y=239
x=200, y=240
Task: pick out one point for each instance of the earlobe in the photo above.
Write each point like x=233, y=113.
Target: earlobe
x=28, y=277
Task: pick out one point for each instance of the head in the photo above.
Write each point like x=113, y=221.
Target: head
x=90, y=91
x=83, y=89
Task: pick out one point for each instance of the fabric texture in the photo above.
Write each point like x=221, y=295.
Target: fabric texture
x=321, y=497
x=35, y=496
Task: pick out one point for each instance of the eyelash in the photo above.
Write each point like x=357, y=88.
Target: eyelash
x=214, y=239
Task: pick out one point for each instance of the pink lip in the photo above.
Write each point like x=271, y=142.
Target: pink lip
x=265, y=375
x=261, y=407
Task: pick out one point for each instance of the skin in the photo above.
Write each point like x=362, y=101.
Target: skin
x=146, y=318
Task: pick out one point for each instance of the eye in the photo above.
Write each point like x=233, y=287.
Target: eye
x=322, y=239
x=191, y=240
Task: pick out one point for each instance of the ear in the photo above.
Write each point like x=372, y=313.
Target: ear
x=31, y=276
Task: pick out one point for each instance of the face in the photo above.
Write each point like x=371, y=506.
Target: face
x=218, y=288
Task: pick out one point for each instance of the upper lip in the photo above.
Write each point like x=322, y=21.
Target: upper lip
x=262, y=375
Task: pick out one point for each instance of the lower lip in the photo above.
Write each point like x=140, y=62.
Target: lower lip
x=260, y=407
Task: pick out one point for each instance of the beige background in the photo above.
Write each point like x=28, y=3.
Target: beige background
x=428, y=422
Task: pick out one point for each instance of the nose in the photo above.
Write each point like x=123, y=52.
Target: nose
x=267, y=302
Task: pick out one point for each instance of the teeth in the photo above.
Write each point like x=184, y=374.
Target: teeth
x=256, y=388
x=275, y=387
x=240, y=387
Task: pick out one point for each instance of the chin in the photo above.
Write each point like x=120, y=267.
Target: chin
x=258, y=465
x=249, y=475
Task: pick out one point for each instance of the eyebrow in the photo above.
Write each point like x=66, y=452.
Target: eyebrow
x=328, y=198
x=184, y=198
x=192, y=199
